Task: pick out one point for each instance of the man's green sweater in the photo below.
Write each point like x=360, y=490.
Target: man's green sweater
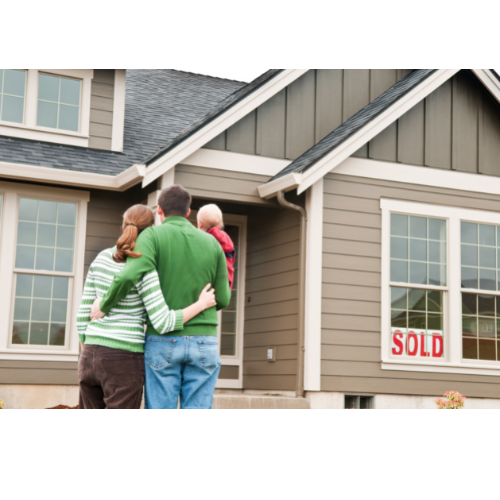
x=186, y=259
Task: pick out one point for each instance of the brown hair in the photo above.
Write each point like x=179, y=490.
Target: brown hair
x=135, y=220
x=175, y=200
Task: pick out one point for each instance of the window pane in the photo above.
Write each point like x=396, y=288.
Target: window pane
x=44, y=259
x=70, y=91
x=399, y=248
x=67, y=214
x=437, y=229
x=487, y=349
x=39, y=333
x=26, y=233
x=486, y=235
x=469, y=255
x=468, y=233
x=469, y=277
x=24, y=285
x=12, y=109
x=398, y=298
x=437, y=251
x=399, y=225
x=40, y=310
x=28, y=209
x=469, y=326
x=435, y=321
x=60, y=288
x=437, y=275
x=46, y=235
x=40, y=319
x=399, y=318
x=57, y=334
x=486, y=305
x=399, y=271
x=25, y=257
x=20, y=332
x=487, y=257
x=47, y=211
x=418, y=250
x=65, y=237
x=487, y=279
x=418, y=273
x=48, y=88
x=416, y=300
x=416, y=320
x=469, y=348
x=418, y=227
x=14, y=82
x=64, y=260
x=47, y=114
x=42, y=287
x=469, y=303
x=68, y=117
x=434, y=301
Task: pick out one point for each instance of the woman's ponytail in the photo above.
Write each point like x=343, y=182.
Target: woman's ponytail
x=135, y=220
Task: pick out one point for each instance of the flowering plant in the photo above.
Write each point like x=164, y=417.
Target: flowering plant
x=452, y=400
x=2, y=404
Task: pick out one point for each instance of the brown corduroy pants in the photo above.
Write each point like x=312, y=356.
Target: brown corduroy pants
x=110, y=378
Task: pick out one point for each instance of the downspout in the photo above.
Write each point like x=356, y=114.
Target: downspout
x=302, y=290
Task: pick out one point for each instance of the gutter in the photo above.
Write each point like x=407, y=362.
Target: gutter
x=299, y=389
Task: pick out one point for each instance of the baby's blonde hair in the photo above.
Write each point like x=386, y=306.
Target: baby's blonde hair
x=210, y=216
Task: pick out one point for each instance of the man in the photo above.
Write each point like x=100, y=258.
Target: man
x=185, y=364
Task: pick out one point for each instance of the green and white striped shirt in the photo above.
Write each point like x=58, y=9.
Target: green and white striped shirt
x=123, y=326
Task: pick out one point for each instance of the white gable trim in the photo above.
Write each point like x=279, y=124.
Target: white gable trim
x=220, y=124
x=423, y=176
x=236, y=162
x=362, y=136
x=490, y=81
x=121, y=182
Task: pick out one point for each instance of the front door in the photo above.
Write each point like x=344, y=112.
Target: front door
x=231, y=319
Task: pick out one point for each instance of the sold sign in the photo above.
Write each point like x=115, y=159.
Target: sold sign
x=417, y=343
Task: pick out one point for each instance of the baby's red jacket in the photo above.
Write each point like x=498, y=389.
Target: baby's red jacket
x=228, y=248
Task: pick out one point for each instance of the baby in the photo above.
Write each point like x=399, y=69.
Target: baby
x=210, y=220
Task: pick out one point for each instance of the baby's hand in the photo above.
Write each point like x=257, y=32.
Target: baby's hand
x=207, y=298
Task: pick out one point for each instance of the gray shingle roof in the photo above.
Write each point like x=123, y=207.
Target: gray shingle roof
x=356, y=122
x=223, y=106
x=160, y=104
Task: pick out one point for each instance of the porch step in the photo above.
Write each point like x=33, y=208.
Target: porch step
x=249, y=402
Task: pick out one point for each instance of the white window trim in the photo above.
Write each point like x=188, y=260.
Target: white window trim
x=8, y=230
x=29, y=128
x=452, y=362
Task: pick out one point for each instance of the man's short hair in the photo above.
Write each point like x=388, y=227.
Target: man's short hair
x=174, y=200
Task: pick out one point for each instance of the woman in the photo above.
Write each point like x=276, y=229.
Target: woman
x=111, y=366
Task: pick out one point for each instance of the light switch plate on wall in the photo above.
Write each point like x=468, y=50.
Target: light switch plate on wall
x=271, y=353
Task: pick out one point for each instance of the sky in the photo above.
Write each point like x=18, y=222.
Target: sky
x=240, y=74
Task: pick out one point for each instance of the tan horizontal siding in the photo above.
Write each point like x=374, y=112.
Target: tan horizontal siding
x=38, y=372
x=351, y=323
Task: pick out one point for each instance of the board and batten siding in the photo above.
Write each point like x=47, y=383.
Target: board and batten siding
x=101, y=109
x=351, y=292
x=271, y=299
x=311, y=107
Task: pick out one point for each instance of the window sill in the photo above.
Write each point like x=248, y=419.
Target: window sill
x=44, y=134
x=37, y=355
x=462, y=368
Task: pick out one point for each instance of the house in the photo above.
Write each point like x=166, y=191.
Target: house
x=365, y=207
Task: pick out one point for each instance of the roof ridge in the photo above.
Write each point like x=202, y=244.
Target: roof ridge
x=209, y=76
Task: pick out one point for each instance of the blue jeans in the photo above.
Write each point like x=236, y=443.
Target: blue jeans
x=181, y=366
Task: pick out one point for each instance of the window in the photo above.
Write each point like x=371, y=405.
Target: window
x=12, y=94
x=441, y=288
x=42, y=245
x=45, y=243
x=58, y=102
